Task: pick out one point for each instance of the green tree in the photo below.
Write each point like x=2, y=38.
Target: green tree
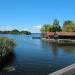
x=56, y=27
x=25, y=32
x=69, y=26
x=68, y=22
x=56, y=22
x=15, y=31
x=46, y=28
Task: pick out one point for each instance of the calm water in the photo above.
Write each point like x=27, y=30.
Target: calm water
x=36, y=57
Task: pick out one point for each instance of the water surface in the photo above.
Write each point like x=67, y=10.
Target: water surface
x=36, y=57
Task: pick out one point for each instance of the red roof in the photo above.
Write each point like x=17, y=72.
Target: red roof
x=50, y=33
x=65, y=33
x=61, y=33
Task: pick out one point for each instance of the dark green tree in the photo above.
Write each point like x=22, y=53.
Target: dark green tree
x=15, y=31
x=56, y=27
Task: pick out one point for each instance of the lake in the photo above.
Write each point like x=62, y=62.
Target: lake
x=36, y=57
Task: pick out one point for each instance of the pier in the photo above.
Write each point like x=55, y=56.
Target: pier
x=70, y=70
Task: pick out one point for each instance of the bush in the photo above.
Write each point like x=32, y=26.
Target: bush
x=6, y=46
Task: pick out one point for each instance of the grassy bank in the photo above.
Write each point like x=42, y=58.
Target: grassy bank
x=6, y=46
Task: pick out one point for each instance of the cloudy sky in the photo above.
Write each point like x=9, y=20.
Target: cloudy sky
x=32, y=14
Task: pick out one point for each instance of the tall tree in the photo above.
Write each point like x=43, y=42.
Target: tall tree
x=56, y=27
x=56, y=22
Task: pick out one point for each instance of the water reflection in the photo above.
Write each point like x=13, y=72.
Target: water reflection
x=36, y=57
x=59, y=53
x=67, y=48
x=7, y=61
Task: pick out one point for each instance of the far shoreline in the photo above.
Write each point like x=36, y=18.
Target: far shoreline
x=16, y=32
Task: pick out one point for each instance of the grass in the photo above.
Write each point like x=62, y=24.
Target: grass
x=6, y=46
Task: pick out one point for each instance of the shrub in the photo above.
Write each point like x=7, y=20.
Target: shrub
x=6, y=46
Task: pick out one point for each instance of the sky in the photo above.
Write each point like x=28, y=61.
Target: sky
x=32, y=14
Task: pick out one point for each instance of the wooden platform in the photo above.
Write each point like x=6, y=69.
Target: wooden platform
x=70, y=70
x=59, y=41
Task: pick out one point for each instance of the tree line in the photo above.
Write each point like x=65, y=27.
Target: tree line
x=15, y=31
x=68, y=26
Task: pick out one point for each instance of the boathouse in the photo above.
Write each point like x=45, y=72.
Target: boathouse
x=61, y=35
x=50, y=35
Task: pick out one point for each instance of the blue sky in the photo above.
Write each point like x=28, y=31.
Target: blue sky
x=32, y=14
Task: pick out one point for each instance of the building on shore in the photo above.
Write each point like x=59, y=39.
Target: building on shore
x=61, y=35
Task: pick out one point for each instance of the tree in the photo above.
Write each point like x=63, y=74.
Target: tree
x=56, y=27
x=15, y=31
x=56, y=22
x=68, y=22
x=46, y=28
x=69, y=26
x=25, y=32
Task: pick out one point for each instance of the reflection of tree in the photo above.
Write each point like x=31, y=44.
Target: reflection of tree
x=68, y=48
x=44, y=45
x=57, y=50
x=7, y=60
x=54, y=51
x=54, y=47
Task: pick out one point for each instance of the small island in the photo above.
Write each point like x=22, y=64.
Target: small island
x=15, y=31
x=54, y=33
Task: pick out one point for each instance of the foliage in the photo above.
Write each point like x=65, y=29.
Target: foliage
x=52, y=28
x=46, y=28
x=56, y=22
x=55, y=27
x=25, y=32
x=15, y=31
x=69, y=26
x=6, y=46
x=68, y=22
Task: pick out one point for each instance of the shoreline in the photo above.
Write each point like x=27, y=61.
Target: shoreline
x=59, y=41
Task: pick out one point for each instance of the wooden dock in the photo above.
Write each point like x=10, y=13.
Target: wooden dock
x=70, y=70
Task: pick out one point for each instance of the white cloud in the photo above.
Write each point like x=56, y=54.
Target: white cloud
x=35, y=29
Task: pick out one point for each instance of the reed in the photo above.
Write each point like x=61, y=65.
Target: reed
x=6, y=46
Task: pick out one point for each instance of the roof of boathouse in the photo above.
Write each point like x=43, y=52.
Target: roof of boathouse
x=65, y=33
x=61, y=33
x=50, y=33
